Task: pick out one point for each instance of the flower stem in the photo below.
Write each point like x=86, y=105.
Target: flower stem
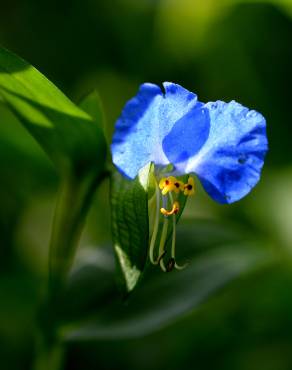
x=49, y=357
x=73, y=202
x=74, y=198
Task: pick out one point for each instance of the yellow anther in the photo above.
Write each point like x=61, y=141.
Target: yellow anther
x=166, y=185
x=170, y=184
x=173, y=211
x=178, y=186
x=189, y=188
x=162, y=183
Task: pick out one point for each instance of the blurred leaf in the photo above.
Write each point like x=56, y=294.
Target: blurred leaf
x=14, y=134
x=91, y=283
x=130, y=225
x=26, y=171
x=92, y=105
x=71, y=138
x=204, y=235
x=163, y=298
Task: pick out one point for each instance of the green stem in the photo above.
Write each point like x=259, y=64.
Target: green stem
x=74, y=198
x=72, y=205
x=49, y=357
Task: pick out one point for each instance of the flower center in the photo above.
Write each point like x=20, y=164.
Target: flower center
x=168, y=192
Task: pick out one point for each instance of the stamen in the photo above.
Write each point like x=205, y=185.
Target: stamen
x=161, y=256
x=172, y=261
x=168, y=184
x=178, y=186
x=189, y=188
x=173, y=211
x=181, y=267
x=162, y=241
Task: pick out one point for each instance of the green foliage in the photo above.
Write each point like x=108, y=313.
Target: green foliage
x=130, y=225
x=163, y=298
x=211, y=48
x=92, y=105
x=70, y=137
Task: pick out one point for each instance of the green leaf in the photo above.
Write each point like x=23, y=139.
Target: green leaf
x=74, y=201
x=163, y=298
x=92, y=105
x=70, y=137
x=130, y=225
x=91, y=284
x=73, y=140
x=130, y=201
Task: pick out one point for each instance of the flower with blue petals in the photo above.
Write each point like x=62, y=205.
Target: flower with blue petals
x=223, y=144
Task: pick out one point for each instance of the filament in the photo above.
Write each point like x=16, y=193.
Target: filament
x=173, y=241
x=162, y=241
x=173, y=232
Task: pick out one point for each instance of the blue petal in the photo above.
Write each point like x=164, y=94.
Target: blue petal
x=187, y=137
x=229, y=163
x=145, y=121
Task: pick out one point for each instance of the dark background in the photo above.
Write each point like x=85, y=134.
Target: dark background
x=219, y=49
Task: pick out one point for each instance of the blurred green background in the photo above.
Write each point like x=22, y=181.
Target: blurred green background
x=227, y=49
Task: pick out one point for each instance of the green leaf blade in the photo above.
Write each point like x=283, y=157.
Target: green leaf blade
x=92, y=105
x=72, y=139
x=162, y=298
x=130, y=225
x=69, y=136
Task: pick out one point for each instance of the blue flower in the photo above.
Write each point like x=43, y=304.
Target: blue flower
x=223, y=144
